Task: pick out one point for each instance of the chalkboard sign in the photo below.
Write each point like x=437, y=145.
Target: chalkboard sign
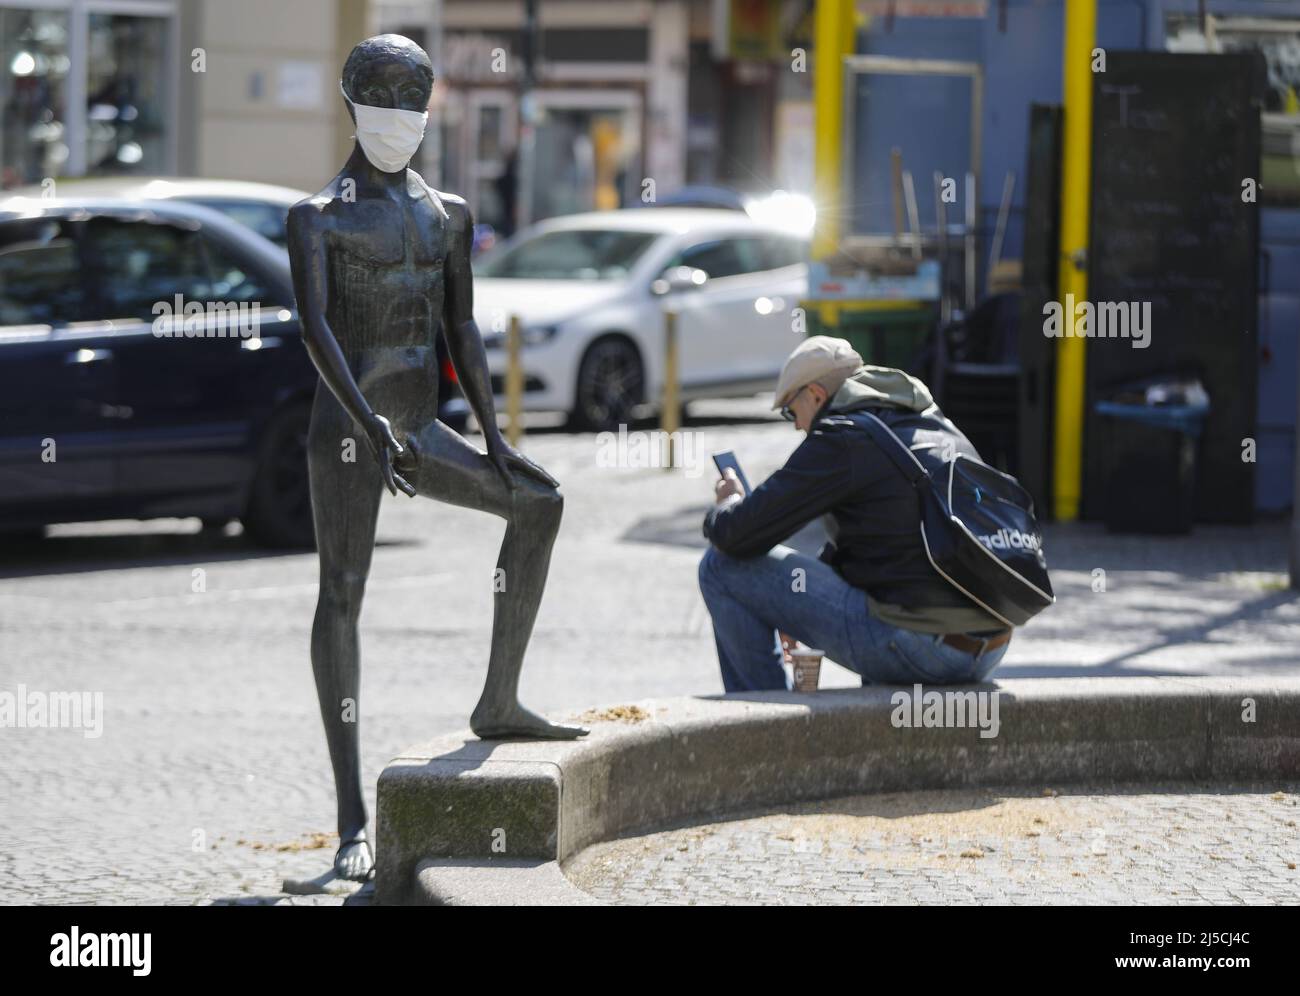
x=1176, y=138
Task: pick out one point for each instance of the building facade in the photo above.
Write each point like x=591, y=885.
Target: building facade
x=628, y=98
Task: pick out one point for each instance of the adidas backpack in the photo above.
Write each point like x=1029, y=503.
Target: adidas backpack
x=978, y=529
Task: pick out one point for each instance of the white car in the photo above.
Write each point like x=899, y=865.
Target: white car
x=259, y=206
x=591, y=291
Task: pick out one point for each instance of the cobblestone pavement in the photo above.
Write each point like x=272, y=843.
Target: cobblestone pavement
x=1139, y=845
x=211, y=731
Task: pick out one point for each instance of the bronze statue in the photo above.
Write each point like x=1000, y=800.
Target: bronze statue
x=381, y=262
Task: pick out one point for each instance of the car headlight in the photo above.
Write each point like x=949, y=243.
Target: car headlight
x=533, y=335
x=538, y=334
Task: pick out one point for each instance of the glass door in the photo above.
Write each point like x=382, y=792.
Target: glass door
x=587, y=151
x=491, y=160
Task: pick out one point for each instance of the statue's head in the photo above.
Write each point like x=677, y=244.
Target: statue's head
x=388, y=71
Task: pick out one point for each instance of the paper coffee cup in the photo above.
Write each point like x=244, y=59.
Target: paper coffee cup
x=807, y=667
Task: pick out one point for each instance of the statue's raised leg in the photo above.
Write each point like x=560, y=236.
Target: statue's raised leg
x=442, y=465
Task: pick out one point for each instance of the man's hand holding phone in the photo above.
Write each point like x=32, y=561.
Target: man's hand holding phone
x=732, y=482
x=728, y=485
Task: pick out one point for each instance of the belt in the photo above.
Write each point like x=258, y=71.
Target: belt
x=976, y=644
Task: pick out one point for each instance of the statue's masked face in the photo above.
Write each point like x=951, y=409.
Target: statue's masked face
x=390, y=110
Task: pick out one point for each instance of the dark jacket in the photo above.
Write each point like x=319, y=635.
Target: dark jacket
x=872, y=513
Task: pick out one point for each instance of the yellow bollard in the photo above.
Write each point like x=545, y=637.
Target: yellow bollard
x=670, y=417
x=514, y=383
x=835, y=35
x=1076, y=164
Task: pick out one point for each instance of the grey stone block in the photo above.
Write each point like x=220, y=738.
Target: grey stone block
x=700, y=757
x=1251, y=727
x=461, y=809
x=501, y=882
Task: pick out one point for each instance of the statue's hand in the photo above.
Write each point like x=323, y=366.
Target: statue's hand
x=384, y=445
x=507, y=459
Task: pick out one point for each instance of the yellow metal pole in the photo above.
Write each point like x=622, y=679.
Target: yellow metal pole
x=670, y=417
x=514, y=384
x=833, y=38
x=1076, y=163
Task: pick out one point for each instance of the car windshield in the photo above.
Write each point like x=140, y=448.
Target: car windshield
x=266, y=219
x=576, y=254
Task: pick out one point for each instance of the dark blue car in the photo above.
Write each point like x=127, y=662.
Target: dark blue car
x=138, y=380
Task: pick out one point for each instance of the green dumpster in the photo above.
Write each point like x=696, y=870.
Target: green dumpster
x=887, y=333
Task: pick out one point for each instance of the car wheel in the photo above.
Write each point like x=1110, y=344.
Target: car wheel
x=279, y=505
x=611, y=383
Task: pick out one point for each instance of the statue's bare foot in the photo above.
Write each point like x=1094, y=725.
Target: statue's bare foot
x=516, y=721
x=354, y=860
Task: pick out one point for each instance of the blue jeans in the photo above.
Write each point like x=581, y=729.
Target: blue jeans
x=750, y=597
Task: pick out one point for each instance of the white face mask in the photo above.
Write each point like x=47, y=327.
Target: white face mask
x=388, y=136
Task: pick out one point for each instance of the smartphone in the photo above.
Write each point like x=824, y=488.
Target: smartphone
x=728, y=459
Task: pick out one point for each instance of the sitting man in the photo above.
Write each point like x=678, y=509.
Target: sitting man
x=871, y=602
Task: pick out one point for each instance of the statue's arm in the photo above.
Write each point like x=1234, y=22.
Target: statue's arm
x=306, y=232
x=463, y=339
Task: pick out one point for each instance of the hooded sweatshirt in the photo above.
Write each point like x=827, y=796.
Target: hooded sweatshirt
x=870, y=511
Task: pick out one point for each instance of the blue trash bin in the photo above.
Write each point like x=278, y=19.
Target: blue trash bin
x=1150, y=436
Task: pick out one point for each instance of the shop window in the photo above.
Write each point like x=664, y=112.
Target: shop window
x=123, y=126
x=34, y=66
x=126, y=112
